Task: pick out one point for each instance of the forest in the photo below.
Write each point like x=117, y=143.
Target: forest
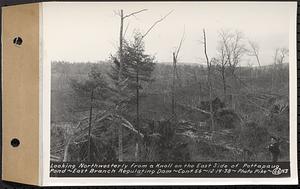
x=131, y=107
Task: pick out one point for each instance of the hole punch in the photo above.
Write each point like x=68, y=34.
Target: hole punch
x=18, y=41
x=15, y=142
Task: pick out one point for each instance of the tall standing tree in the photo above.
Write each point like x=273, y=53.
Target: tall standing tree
x=222, y=64
x=137, y=69
x=121, y=83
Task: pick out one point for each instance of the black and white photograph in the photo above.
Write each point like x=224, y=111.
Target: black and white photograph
x=169, y=82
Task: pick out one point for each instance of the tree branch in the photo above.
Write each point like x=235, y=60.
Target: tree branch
x=155, y=23
x=180, y=44
x=117, y=13
x=255, y=50
x=125, y=30
x=132, y=14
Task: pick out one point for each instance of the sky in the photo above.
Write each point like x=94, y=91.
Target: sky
x=82, y=32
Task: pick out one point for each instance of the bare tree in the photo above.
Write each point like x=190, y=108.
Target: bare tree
x=234, y=48
x=208, y=62
x=238, y=50
x=280, y=56
x=222, y=63
x=254, y=51
x=283, y=54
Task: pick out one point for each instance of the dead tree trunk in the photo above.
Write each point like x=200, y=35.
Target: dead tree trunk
x=138, y=142
x=120, y=131
x=209, y=82
x=173, y=86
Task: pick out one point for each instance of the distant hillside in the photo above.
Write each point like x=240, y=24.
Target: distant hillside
x=191, y=85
